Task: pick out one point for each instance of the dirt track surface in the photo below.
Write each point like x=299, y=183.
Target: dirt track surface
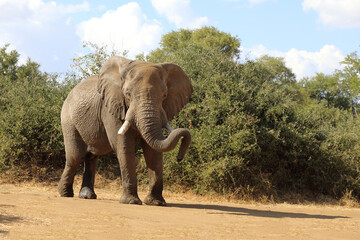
x=30, y=212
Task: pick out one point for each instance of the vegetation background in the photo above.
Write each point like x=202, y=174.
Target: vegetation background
x=257, y=131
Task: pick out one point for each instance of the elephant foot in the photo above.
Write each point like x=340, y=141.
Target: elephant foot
x=65, y=191
x=87, y=193
x=155, y=200
x=130, y=199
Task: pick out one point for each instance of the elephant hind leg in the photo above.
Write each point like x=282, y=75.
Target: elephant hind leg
x=75, y=153
x=87, y=187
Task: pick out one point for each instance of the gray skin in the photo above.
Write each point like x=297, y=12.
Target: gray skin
x=136, y=99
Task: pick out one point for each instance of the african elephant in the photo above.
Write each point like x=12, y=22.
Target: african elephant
x=129, y=102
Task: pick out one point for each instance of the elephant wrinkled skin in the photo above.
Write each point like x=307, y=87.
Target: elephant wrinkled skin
x=128, y=101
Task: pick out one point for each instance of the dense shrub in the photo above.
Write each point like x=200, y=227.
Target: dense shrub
x=255, y=130
x=30, y=132
x=255, y=133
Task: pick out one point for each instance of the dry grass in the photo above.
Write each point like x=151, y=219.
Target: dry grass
x=348, y=200
x=41, y=178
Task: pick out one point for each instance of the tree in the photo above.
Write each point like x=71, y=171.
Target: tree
x=210, y=37
x=255, y=132
x=207, y=37
x=8, y=66
x=327, y=89
x=29, y=114
x=277, y=69
x=340, y=89
x=252, y=132
x=8, y=62
x=349, y=77
x=90, y=63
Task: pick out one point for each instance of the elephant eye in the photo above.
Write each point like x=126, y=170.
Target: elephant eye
x=128, y=94
x=165, y=96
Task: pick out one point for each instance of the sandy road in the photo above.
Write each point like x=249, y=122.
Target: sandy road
x=33, y=212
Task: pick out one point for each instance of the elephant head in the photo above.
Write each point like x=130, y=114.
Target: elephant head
x=146, y=96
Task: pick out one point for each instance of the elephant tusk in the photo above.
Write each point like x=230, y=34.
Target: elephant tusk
x=169, y=128
x=124, y=128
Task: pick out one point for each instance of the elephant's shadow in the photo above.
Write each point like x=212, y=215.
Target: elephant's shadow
x=219, y=209
x=5, y=219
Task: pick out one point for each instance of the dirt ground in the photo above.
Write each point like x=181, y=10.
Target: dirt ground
x=30, y=211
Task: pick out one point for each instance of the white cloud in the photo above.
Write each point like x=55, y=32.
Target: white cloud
x=126, y=28
x=258, y=51
x=180, y=13
x=251, y=2
x=35, y=13
x=303, y=63
x=74, y=8
x=336, y=13
x=35, y=28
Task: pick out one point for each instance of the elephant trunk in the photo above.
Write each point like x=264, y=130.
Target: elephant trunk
x=150, y=127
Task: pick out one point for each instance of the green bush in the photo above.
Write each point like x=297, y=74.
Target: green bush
x=255, y=133
x=30, y=132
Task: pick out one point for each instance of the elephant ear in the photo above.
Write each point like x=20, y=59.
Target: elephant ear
x=111, y=80
x=179, y=90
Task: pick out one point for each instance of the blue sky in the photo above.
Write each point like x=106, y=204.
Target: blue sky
x=311, y=35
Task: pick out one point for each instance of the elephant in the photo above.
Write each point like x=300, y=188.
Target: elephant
x=127, y=104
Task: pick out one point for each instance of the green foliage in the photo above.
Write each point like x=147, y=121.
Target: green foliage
x=206, y=37
x=350, y=79
x=276, y=67
x=256, y=132
x=327, y=89
x=8, y=63
x=340, y=89
x=30, y=131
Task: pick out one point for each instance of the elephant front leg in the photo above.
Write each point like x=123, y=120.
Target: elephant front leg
x=126, y=157
x=129, y=179
x=154, y=162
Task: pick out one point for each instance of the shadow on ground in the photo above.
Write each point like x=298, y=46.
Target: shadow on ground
x=4, y=219
x=250, y=212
